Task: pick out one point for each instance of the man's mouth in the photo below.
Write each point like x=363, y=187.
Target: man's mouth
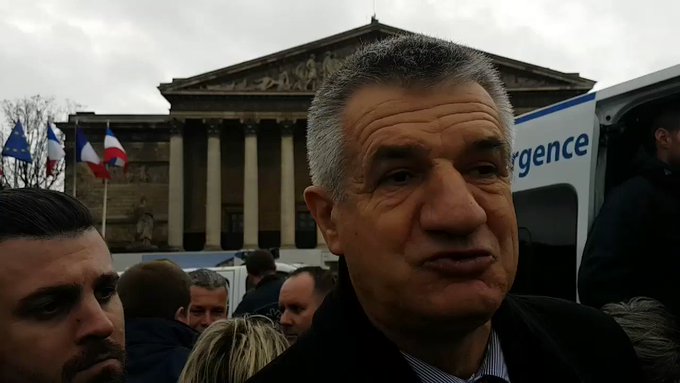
x=460, y=263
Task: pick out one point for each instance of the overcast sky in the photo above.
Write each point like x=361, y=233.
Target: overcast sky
x=110, y=55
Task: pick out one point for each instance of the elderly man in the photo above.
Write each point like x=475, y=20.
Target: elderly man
x=408, y=146
x=60, y=317
x=300, y=297
x=209, y=298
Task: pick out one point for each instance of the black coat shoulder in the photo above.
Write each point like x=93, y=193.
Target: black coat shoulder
x=579, y=338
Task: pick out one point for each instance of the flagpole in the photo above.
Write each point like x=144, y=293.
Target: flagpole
x=75, y=158
x=106, y=190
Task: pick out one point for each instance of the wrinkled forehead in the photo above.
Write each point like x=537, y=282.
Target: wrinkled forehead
x=28, y=264
x=374, y=106
x=462, y=117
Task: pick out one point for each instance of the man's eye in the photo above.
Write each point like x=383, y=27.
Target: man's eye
x=49, y=309
x=485, y=171
x=105, y=293
x=398, y=178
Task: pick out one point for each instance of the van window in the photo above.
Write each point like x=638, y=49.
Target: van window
x=547, y=218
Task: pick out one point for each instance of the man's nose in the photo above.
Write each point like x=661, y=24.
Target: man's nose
x=450, y=207
x=93, y=321
x=207, y=319
x=285, y=319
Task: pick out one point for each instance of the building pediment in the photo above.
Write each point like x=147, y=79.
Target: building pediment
x=297, y=70
x=300, y=70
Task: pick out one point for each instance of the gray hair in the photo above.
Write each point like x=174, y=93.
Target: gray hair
x=208, y=279
x=654, y=334
x=233, y=350
x=408, y=61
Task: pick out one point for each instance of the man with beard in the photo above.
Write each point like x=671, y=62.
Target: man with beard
x=634, y=245
x=60, y=317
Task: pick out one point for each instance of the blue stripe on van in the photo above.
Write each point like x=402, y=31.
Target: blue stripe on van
x=555, y=108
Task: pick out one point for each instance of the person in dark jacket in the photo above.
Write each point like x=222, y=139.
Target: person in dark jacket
x=409, y=148
x=263, y=299
x=156, y=298
x=634, y=245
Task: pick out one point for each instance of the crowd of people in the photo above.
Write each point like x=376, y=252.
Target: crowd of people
x=408, y=147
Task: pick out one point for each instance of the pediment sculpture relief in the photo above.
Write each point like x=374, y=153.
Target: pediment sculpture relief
x=303, y=76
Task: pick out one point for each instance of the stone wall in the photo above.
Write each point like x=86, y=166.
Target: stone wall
x=146, y=179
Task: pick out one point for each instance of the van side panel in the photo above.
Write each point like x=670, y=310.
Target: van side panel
x=557, y=146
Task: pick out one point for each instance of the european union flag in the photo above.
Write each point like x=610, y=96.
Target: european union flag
x=17, y=146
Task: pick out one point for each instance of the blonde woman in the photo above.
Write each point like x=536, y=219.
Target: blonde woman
x=231, y=351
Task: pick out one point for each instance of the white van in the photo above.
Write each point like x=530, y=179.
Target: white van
x=566, y=158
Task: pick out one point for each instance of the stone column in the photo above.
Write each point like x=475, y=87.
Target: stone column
x=213, y=201
x=176, y=188
x=251, y=224
x=287, y=186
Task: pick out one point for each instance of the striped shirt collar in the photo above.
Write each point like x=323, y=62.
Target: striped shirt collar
x=493, y=365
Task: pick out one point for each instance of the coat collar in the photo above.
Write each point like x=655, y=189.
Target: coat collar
x=530, y=353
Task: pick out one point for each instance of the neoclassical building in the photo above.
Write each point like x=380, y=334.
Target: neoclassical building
x=226, y=167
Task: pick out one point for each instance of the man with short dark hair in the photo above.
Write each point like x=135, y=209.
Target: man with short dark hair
x=301, y=294
x=263, y=299
x=633, y=248
x=409, y=146
x=156, y=299
x=209, y=298
x=61, y=319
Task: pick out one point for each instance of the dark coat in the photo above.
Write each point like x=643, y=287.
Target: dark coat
x=263, y=299
x=543, y=340
x=157, y=349
x=634, y=245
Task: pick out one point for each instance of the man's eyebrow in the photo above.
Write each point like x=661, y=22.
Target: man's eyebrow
x=398, y=152
x=110, y=278
x=490, y=144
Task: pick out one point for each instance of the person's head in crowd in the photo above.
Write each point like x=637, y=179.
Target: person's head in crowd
x=259, y=264
x=654, y=334
x=157, y=289
x=209, y=298
x=233, y=350
x=300, y=296
x=409, y=151
x=60, y=317
x=666, y=134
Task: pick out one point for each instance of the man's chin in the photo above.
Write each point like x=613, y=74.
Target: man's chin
x=106, y=371
x=292, y=338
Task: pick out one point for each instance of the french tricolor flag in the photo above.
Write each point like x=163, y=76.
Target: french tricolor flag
x=114, y=154
x=85, y=153
x=55, y=152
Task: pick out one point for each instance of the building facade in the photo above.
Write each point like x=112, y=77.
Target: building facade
x=226, y=167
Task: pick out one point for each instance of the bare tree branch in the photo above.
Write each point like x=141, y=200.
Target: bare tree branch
x=34, y=113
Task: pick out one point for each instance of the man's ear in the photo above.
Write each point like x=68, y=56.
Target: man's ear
x=321, y=205
x=181, y=315
x=662, y=137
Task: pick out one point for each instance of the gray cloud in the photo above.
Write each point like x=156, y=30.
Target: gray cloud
x=111, y=55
